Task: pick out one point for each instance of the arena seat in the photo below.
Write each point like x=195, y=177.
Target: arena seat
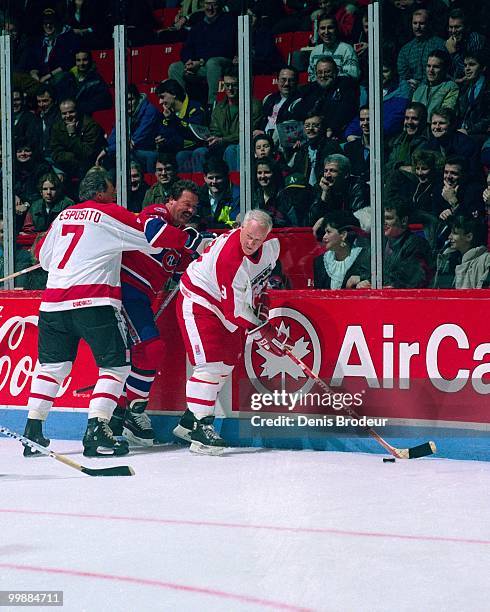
x=149, y=90
x=104, y=60
x=284, y=44
x=138, y=64
x=300, y=39
x=264, y=84
x=235, y=177
x=106, y=119
x=160, y=58
x=165, y=17
x=149, y=178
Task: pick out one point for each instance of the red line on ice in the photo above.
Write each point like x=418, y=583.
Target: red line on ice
x=277, y=605
x=143, y=519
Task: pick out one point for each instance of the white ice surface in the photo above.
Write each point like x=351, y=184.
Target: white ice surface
x=252, y=530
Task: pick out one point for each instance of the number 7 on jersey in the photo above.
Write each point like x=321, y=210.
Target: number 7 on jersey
x=77, y=231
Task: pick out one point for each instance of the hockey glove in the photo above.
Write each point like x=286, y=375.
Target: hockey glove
x=270, y=338
x=193, y=240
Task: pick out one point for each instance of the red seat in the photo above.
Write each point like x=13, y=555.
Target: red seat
x=165, y=17
x=149, y=178
x=138, y=64
x=235, y=177
x=106, y=119
x=303, y=78
x=198, y=178
x=185, y=176
x=301, y=39
x=264, y=84
x=284, y=44
x=149, y=90
x=104, y=60
x=161, y=56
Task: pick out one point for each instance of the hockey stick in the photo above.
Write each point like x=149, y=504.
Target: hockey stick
x=421, y=450
x=120, y=470
x=166, y=302
x=20, y=272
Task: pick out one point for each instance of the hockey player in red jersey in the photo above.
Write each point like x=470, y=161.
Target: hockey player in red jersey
x=82, y=253
x=218, y=295
x=143, y=275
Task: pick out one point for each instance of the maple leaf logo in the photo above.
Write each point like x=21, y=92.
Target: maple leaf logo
x=273, y=365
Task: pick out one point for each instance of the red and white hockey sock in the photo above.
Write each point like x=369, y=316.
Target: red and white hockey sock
x=45, y=385
x=203, y=387
x=107, y=391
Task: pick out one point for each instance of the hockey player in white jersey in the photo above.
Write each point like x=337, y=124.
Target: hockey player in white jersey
x=219, y=293
x=82, y=254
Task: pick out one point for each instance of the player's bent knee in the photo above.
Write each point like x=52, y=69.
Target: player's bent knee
x=148, y=355
x=59, y=371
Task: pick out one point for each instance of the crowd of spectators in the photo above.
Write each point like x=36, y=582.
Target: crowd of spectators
x=310, y=128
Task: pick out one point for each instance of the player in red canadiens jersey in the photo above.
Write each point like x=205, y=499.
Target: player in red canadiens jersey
x=82, y=253
x=218, y=296
x=143, y=275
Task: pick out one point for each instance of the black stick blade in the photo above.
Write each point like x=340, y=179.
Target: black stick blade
x=119, y=470
x=422, y=450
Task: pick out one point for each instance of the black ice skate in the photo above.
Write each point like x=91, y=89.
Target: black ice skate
x=137, y=425
x=34, y=431
x=99, y=441
x=185, y=426
x=117, y=421
x=205, y=440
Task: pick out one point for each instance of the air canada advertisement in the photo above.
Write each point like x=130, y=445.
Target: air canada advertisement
x=393, y=355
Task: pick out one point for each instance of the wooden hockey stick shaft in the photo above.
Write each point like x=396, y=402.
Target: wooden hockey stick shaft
x=421, y=450
x=20, y=272
x=166, y=302
x=121, y=470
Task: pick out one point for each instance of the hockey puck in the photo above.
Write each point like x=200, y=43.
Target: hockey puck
x=389, y=459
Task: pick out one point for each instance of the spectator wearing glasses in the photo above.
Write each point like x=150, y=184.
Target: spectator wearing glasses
x=224, y=126
x=331, y=95
x=308, y=159
x=209, y=49
x=276, y=107
x=166, y=174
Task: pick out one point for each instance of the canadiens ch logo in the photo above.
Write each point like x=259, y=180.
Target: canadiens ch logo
x=267, y=372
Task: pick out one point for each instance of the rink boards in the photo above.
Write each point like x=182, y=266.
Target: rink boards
x=418, y=359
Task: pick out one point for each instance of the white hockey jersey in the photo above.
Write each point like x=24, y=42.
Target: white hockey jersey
x=82, y=254
x=228, y=282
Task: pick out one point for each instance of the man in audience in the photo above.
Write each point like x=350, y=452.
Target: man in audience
x=27, y=125
x=225, y=126
x=447, y=140
x=76, y=140
x=474, y=99
x=331, y=95
x=144, y=123
x=308, y=160
x=460, y=195
x=407, y=258
x=461, y=41
x=89, y=89
x=357, y=150
x=412, y=58
x=209, y=49
x=180, y=113
x=438, y=90
x=166, y=173
x=219, y=200
x=49, y=114
x=338, y=190
x=412, y=138
x=276, y=107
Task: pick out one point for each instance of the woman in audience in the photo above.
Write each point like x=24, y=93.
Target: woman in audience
x=45, y=209
x=264, y=148
x=268, y=183
x=346, y=260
